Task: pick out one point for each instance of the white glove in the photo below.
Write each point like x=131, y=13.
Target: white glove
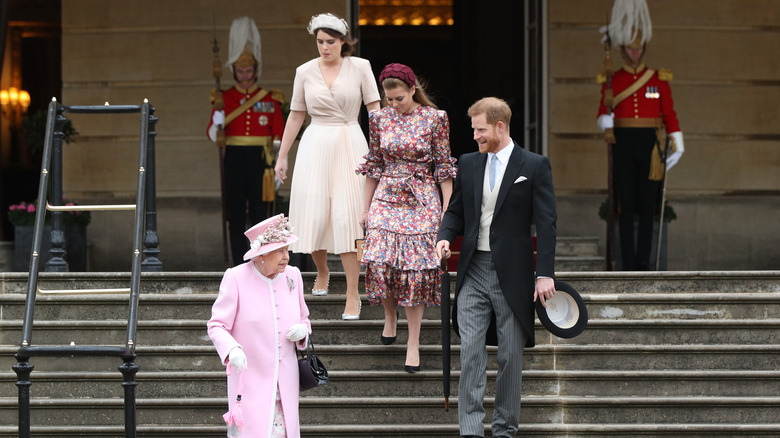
x=672, y=159
x=297, y=332
x=606, y=121
x=237, y=359
x=218, y=118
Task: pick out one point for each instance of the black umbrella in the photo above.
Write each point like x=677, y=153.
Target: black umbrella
x=445, y=332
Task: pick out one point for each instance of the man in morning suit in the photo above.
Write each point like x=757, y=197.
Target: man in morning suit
x=499, y=192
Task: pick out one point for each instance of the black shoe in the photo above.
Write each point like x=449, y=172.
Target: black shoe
x=387, y=340
x=411, y=369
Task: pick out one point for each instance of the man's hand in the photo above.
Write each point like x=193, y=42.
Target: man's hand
x=218, y=118
x=443, y=249
x=679, y=148
x=606, y=121
x=545, y=289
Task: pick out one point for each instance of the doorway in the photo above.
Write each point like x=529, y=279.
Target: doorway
x=481, y=53
x=31, y=61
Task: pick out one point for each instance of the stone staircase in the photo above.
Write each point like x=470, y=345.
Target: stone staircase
x=690, y=354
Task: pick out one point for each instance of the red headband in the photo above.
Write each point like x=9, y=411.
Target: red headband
x=398, y=71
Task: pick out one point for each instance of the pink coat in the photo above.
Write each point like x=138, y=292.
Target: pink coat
x=249, y=313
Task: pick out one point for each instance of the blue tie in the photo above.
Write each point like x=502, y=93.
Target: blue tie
x=493, y=171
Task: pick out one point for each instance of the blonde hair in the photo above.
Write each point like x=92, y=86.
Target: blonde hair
x=420, y=96
x=495, y=110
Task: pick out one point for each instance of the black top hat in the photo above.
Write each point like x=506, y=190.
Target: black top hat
x=565, y=315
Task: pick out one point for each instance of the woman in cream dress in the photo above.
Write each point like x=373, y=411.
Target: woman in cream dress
x=326, y=196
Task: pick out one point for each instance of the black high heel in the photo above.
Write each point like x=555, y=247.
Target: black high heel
x=412, y=369
x=389, y=340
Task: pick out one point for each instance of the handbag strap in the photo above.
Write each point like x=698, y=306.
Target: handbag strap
x=309, y=349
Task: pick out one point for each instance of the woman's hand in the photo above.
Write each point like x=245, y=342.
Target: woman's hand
x=297, y=332
x=237, y=359
x=364, y=220
x=281, y=169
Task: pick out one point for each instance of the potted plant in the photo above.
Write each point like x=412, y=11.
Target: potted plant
x=22, y=217
x=35, y=131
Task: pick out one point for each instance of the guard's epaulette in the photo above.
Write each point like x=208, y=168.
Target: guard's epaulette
x=277, y=95
x=601, y=78
x=664, y=74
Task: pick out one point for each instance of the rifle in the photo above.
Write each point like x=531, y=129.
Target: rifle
x=609, y=137
x=219, y=105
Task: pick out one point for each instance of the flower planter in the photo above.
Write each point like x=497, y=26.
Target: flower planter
x=75, y=247
x=6, y=256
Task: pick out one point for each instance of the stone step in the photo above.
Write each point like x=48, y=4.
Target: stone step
x=427, y=383
x=423, y=430
x=433, y=430
x=545, y=357
x=184, y=283
x=704, y=305
x=394, y=410
x=598, y=331
x=579, y=263
x=687, y=353
x=628, y=357
x=570, y=246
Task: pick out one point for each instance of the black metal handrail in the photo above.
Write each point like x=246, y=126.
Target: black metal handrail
x=144, y=233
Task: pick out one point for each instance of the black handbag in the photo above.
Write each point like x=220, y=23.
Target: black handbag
x=312, y=372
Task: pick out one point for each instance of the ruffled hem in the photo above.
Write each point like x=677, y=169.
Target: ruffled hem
x=408, y=288
x=407, y=252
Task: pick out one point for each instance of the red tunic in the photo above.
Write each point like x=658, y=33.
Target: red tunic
x=653, y=100
x=258, y=125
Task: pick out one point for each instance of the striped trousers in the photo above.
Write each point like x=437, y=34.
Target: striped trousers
x=479, y=297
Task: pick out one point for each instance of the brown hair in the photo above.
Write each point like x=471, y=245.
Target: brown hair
x=349, y=43
x=495, y=110
x=420, y=96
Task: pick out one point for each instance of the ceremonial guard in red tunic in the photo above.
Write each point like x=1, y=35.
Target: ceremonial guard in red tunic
x=642, y=106
x=253, y=122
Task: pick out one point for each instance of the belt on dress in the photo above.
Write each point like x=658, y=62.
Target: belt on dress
x=415, y=182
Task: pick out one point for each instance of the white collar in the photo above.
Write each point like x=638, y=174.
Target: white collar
x=504, y=154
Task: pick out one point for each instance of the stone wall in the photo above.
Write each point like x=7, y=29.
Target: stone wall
x=726, y=88
x=122, y=52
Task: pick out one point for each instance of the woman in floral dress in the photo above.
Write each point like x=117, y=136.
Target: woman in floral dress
x=409, y=153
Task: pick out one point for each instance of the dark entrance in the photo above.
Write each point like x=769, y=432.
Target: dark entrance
x=31, y=36
x=481, y=54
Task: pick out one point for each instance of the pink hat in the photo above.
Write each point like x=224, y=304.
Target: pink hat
x=269, y=235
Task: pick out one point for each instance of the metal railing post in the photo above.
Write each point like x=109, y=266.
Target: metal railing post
x=23, y=369
x=151, y=262
x=129, y=370
x=57, y=262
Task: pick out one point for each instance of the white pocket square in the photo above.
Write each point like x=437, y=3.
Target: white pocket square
x=521, y=179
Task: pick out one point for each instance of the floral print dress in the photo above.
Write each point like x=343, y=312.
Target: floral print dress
x=409, y=154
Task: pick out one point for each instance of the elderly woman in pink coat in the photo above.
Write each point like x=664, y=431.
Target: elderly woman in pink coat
x=257, y=321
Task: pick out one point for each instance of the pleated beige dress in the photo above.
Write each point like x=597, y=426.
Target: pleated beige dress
x=326, y=196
